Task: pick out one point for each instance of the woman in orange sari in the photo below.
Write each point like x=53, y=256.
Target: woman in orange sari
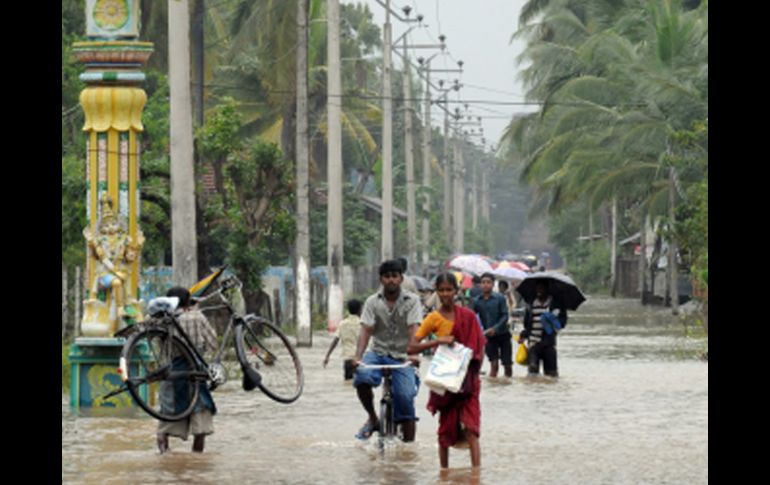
x=460, y=413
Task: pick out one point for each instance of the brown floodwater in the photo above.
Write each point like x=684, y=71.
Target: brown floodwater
x=630, y=406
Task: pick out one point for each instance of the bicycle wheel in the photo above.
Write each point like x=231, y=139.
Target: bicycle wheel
x=161, y=374
x=387, y=426
x=260, y=345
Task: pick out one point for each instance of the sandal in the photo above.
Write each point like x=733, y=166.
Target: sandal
x=367, y=430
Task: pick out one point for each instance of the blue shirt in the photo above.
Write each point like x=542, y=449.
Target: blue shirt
x=493, y=313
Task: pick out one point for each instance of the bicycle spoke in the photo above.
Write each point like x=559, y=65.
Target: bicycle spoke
x=266, y=350
x=162, y=375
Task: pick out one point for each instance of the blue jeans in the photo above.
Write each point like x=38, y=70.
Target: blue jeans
x=405, y=384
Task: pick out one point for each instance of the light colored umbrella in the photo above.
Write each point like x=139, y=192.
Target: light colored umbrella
x=520, y=265
x=513, y=275
x=464, y=281
x=468, y=263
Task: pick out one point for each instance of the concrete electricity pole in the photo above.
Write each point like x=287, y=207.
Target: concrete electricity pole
x=387, y=130
x=387, y=141
x=183, y=237
x=411, y=210
x=409, y=139
x=459, y=188
x=426, y=159
x=459, y=195
x=302, y=248
x=334, y=156
x=446, y=222
x=485, y=168
x=475, y=196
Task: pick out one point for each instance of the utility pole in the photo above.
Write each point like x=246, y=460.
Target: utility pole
x=459, y=195
x=387, y=134
x=426, y=159
x=475, y=196
x=459, y=178
x=448, y=209
x=427, y=135
x=409, y=143
x=183, y=238
x=302, y=248
x=387, y=142
x=485, y=190
x=448, y=199
x=334, y=112
x=411, y=211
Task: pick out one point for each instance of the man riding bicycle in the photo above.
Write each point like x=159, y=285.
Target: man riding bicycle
x=391, y=316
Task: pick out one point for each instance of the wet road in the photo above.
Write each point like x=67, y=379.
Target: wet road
x=631, y=406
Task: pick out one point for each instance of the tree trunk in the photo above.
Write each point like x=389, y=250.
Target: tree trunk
x=614, y=247
x=77, y=302
x=198, y=49
x=183, y=239
x=672, y=247
x=63, y=301
x=302, y=258
x=643, y=259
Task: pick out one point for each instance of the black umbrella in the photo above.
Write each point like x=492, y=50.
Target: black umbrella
x=560, y=286
x=422, y=284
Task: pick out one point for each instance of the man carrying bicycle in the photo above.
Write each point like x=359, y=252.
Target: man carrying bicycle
x=201, y=422
x=391, y=316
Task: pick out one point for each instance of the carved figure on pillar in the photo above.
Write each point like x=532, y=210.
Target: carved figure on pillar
x=114, y=251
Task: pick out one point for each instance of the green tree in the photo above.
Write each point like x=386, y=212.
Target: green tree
x=253, y=204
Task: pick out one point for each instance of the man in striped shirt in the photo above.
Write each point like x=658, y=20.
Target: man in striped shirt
x=541, y=334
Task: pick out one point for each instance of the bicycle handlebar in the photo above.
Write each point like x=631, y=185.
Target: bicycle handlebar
x=386, y=366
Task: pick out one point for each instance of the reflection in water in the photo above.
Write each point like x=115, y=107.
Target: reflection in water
x=631, y=406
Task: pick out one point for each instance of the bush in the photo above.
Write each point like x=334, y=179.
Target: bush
x=589, y=266
x=65, y=367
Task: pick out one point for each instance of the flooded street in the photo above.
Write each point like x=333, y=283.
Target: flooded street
x=631, y=406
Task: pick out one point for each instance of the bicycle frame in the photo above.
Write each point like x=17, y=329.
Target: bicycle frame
x=387, y=395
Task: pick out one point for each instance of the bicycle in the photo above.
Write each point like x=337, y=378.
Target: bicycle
x=163, y=371
x=387, y=429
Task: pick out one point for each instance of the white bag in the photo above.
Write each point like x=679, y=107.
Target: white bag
x=448, y=368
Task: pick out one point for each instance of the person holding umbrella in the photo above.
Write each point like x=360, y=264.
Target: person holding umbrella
x=543, y=318
x=548, y=295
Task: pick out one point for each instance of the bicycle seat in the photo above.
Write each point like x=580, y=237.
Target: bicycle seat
x=162, y=304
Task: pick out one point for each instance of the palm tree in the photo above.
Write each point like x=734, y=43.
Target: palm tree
x=613, y=93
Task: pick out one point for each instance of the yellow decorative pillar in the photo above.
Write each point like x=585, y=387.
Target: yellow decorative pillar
x=113, y=102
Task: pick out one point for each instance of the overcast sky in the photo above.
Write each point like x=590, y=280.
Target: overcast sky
x=478, y=33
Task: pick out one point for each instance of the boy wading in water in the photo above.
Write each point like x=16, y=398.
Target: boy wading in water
x=347, y=333
x=460, y=413
x=493, y=312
